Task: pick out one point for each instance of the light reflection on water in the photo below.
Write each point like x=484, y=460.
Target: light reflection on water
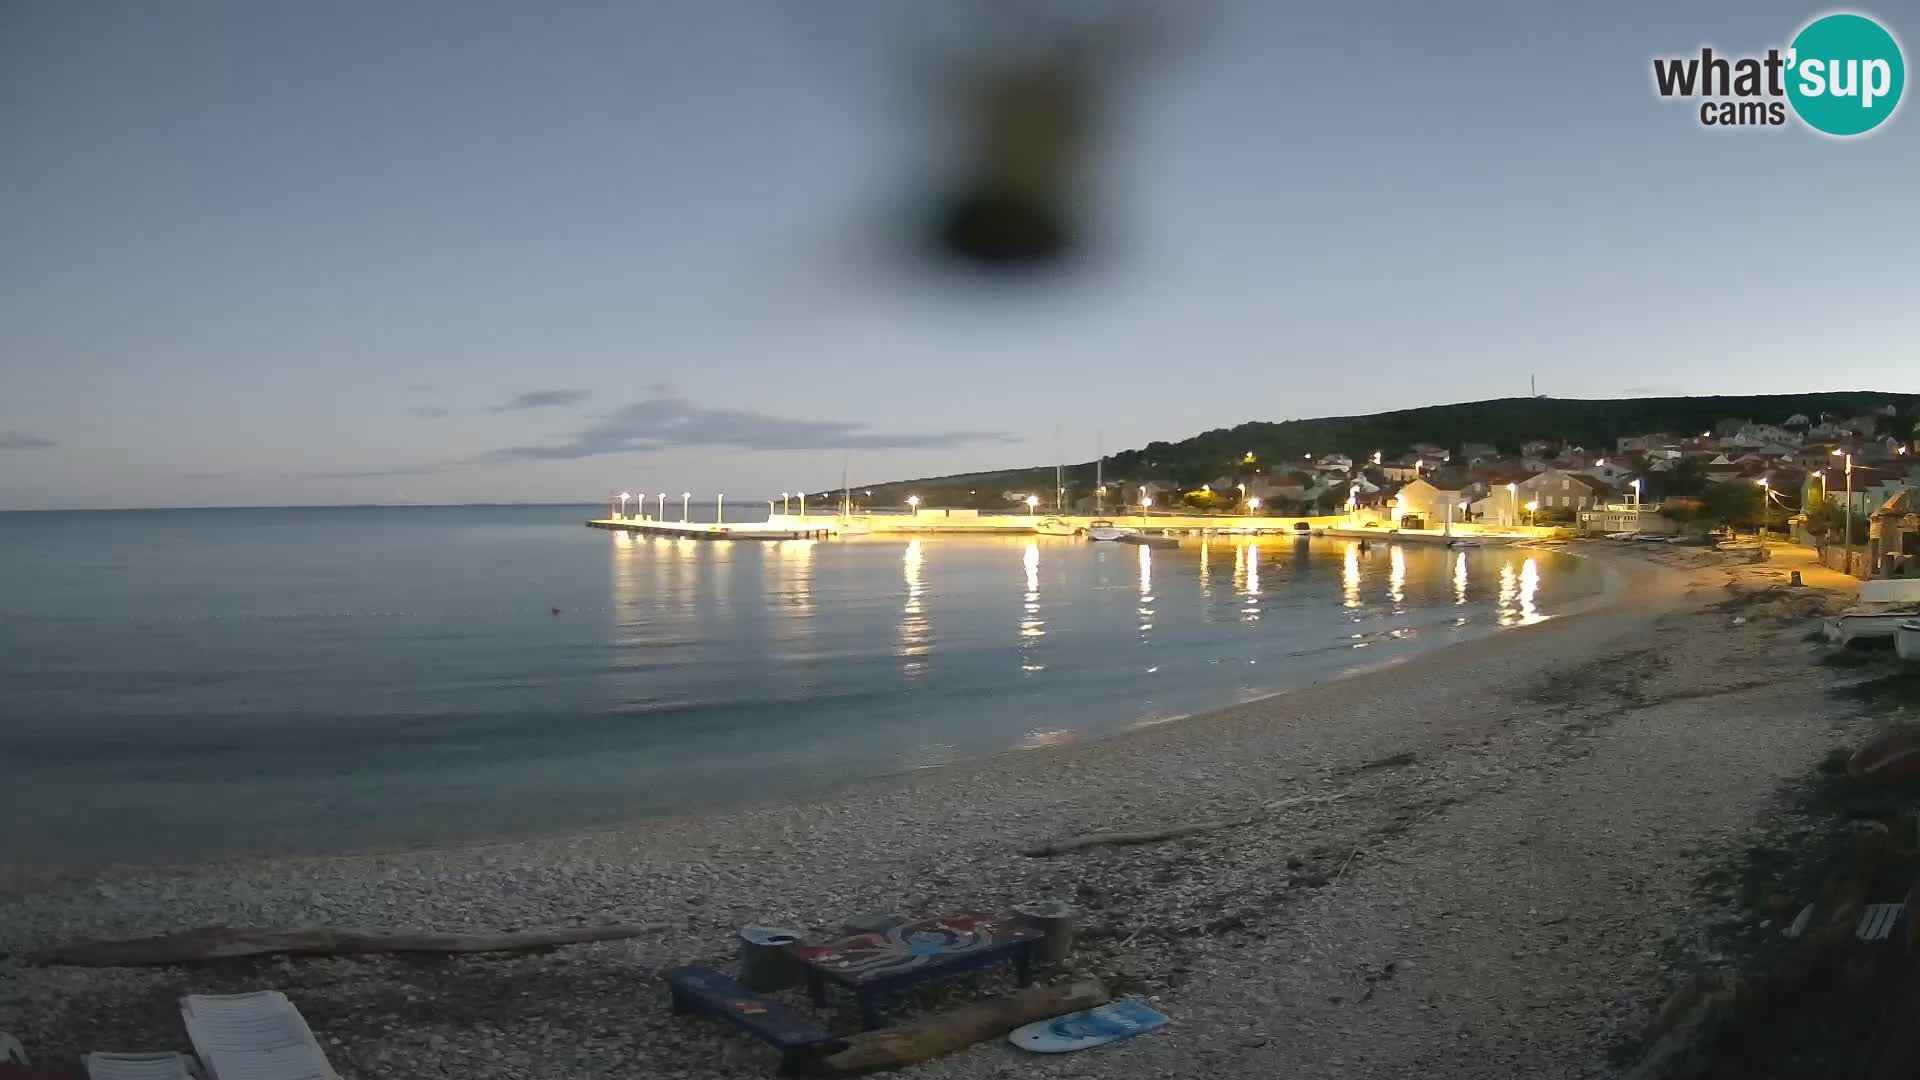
x=519, y=681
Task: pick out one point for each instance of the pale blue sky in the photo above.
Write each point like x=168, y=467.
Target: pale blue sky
x=479, y=251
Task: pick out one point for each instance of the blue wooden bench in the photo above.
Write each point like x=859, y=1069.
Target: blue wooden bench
x=800, y=1041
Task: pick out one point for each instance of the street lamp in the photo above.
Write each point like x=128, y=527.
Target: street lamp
x=1146, y=503
x=1822, y=474
x=803, y=505
x=783, y=503
x=1243, y=491
x=1533, y=511
x=1032, y=501
x=719, y=508
x=624, y=496
x=1765, y=492
x=913, y=503
x=685, y=496
x=1636, y=493
x=1513, y=504
x=1847, y=560
x=1253, y=503
x=663, y=506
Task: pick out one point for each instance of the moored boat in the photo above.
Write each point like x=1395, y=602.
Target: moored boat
x=1102, y=529
x=1054, y=526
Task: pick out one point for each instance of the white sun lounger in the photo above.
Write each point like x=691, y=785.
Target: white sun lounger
x=139, y=1067
x=258, y=1036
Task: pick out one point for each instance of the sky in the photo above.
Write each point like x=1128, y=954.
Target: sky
x=474, y=251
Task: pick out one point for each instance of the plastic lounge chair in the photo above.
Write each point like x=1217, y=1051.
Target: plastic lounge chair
x=139, y=1067
x=257, y=1036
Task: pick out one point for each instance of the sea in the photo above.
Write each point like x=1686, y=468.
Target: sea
x=185, y=685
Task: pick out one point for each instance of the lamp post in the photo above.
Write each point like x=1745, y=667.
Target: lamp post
x=1765, y=492
x=663, y=506
x=1513, y=504
x=1243, y=491
x=1032, y=502
x=1533, y=511
x=913, y=504
x=685, y=498
x=719, y=507
x=1822, y=474
x=1146, y=503
x=803, y=505
x=1846, y=561
x=1636, y=494
x=784, y=497
x=624, y=496
x=1254, y=504
x=769, y=509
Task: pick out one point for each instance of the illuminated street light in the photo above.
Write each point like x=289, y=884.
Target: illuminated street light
x=913, y=503
x=663, y=506
x=1146, y=502
x=685, y=496
x=783, y=503
x=719, y=508
x=1254, y=503
x=1032, y=502
x=803, y=505
x=1636, y=493
x=1766, y=492
x=1513, y=504
x=624, y=496
x=1533, y=511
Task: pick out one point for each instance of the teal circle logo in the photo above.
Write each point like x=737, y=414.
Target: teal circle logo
x=1845, y=74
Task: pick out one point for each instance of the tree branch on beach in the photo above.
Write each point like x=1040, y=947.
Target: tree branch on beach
x=221, y=943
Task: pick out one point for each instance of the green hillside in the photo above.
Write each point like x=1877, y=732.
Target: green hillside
x=1504, y=422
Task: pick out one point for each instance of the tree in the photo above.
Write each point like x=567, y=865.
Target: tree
x=1733, y=503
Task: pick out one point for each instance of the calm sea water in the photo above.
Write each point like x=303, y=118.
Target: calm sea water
x=184, y=684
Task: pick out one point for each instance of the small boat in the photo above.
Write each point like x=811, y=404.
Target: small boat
x=1102, y=529
x=1463, y=543
x=1151, y=541
x=1054, y=526
x=1906, y=640
x=1866, y=624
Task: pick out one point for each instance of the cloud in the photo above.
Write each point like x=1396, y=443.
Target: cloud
x=21, y=440
x=668, y=420
x=542, y=399
x=429, y=412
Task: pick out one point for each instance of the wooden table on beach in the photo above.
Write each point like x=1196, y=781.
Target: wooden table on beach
x=932, y=948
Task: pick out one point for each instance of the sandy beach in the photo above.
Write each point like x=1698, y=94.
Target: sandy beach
x=1467, y=864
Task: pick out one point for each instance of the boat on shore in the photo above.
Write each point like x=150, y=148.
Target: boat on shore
x=1867, y=624
x=1054, y=526
x=1102, y=529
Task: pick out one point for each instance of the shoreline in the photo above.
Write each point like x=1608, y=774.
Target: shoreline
x=27, y=879
x=1460, y=865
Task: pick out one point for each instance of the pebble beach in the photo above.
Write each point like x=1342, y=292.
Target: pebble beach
x=1465, y=864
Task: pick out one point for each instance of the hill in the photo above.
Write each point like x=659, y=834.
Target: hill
x=1504, y=422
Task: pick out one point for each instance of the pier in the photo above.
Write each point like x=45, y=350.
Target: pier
x=969, y=523
x=780, y=527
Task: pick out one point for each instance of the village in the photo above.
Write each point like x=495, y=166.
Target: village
x=1844, y=485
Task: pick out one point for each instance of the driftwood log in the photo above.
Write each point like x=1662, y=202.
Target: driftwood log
x=956, y=1029
x=220, y=943
x=1171, y=832
x=1125, y=839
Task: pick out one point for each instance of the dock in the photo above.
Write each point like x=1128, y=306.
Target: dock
x=813, y=527
x=938, y=522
